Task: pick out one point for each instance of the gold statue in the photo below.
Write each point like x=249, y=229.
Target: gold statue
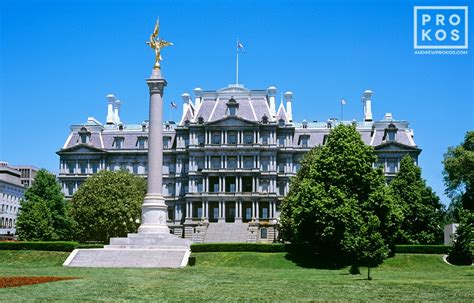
x=157, y=44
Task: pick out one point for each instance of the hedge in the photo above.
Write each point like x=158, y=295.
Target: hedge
x=49, y=246
x=230, y=247
x=422, y=249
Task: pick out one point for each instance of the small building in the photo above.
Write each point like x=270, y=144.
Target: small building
x=28, y=174
x=227, y=163
x=11, y=192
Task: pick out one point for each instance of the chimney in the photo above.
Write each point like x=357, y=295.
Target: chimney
x=116, y=111
x=289, y=98
x=198, y=97
x=110, y=108
x=186, y=100
x=366, y=100
x=272, y=90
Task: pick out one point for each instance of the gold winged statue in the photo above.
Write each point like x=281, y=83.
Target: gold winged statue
x=157, y=44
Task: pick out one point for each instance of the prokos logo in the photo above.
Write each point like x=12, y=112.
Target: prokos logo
x=440, y=27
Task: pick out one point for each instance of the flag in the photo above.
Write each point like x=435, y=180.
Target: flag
x=343, y=101
x=240, y=45
x=173, y=105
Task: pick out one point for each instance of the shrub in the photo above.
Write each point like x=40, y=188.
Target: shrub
x=48, y=246
x=421, y=249
x=231, y=247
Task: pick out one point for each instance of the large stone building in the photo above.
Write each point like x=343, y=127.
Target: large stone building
x=228, y=160
x=11, y=192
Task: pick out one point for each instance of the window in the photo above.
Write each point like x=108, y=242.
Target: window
x=70, y=167
x=141, y=142
x=281, y=167
x=248, y=137
x=215, y=162
x=95, y=167
x=84, y=134
x=281, y=188
x=248, y=213
x=199, y=186
x=264, y=137
x=216, y=138
x=264, y=162
x=304, y=141
x=135, y=168
x=232, y=107
x=166, y=142
x=232, y=138
x=264, y=214
x=201, y=139
x=281, y=123
x=264, y=184
x=186, y=141
x=281, y=141
x=325, y=139
x=391, y=136
x=118, y=142
x=83, y=167
x=392, y=166
x=263, y=233
x=232, y=162
x=70, y=189
x=248, y=162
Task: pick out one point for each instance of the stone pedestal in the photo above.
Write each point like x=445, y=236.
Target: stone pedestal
x=153, y=246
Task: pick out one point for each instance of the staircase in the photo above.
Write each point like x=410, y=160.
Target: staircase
x=226, y=233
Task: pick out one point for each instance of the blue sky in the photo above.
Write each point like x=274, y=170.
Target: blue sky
x=58, y=60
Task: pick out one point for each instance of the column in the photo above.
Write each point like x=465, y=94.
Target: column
x=223, y=210
x=257, y=211
x=223, y=184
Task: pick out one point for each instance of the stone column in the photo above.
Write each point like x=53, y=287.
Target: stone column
x=154, y=210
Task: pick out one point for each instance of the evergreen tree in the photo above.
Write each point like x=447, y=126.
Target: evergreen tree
x=422, y=210
x=44, y=211
x=334, y=195
x=107, y=205
x=460, y=253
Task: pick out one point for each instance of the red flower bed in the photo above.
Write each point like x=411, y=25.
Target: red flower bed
x=21, y=281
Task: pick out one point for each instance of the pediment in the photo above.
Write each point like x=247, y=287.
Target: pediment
x=394, y=146
x=232, y=122
x=81, y=148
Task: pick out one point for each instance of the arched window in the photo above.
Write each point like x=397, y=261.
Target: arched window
x=84, y=135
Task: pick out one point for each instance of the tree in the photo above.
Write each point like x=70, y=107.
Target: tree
x=107, y=205
x=422, y=210
x=44, y=211
x=459, y=171
x=460, y=253
x=335, y=193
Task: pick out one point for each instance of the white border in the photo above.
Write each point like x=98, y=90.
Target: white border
x=415, y=19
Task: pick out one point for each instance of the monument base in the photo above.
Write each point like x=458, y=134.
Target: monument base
x=137, y=250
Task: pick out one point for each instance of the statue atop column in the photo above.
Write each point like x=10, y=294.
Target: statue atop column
x=157, y=44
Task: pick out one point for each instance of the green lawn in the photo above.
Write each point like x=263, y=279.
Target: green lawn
x=239, y=277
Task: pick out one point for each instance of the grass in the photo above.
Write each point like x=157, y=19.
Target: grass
x=239, y=276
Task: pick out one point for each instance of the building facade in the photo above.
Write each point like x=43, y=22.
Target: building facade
x=27, y=174
x=227, y=163
x=11, y=192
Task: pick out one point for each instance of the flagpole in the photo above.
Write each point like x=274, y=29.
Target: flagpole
x=342, y=111
x=237, y=65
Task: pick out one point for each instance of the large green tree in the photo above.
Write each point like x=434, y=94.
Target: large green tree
x=459, y=172
x=44, y=211
x=107, y=205
x=334, y=199
x=460, y=253
x=423, y=211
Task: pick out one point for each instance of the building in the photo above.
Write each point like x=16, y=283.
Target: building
x=11, y=191
x=28, y=174
x=228, y=160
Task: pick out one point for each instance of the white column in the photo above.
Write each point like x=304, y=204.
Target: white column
x=154, y=209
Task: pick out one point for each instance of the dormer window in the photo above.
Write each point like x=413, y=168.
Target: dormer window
x=281, y=123
x=232, y=107
x=305, y=124
x=200, y=120
x=84, y=135
x=186, y=123
x=118, y=142
x=143, y=126
x=120, y=126
x=265, y=119
x=142, y=142
x=304, y=140
x=390, y=133
x=166, y=142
